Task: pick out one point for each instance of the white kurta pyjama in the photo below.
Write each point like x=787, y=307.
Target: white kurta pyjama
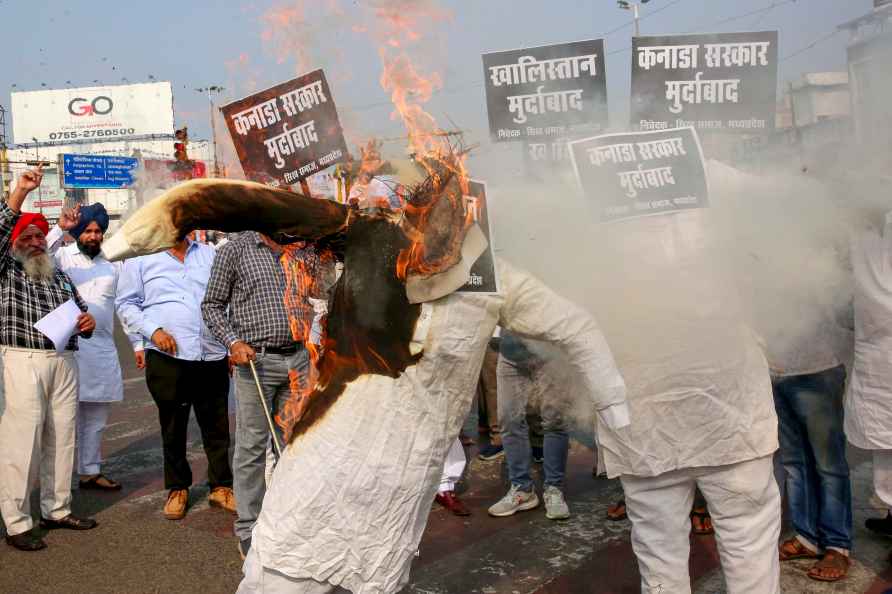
x=99, y=371
x=868, y=404
x=96, y=280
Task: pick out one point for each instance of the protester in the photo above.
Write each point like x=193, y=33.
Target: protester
x=809, y=381
x=375, y=186
x=700, y=399
x=159, y=296
x=528, y=380
x=99, y=372
x=868, y=409
x=38, y=403
x=245, y=310
x=453, y=468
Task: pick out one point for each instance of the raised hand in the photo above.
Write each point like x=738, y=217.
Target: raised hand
x=70, y=218
x=30, y=180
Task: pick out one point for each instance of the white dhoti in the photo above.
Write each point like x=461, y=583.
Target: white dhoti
x=744, y=503
x=38, y=404
x=453, y=467
x=91, y=420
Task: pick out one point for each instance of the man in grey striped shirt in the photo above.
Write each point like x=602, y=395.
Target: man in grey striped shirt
x=245, y=309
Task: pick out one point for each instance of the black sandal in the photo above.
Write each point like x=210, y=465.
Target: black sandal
x=94, y=484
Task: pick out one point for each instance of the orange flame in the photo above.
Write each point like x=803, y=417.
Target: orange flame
x=303, y=275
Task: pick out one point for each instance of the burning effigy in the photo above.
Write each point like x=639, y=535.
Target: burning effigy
x=403, y=349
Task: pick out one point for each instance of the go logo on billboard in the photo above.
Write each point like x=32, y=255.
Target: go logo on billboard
x=101, y=105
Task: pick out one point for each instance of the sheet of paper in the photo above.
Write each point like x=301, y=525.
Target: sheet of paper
x=60, y=324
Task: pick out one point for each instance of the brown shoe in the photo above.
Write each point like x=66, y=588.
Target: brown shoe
x=222, y=497
x=177, y=500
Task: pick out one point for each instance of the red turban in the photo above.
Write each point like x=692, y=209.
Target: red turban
x=30, y=218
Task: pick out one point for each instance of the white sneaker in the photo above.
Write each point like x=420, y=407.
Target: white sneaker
x=555, y=506
x=514, y=501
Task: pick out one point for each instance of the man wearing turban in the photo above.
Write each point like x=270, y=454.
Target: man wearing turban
x=99, y=371
x=38, y=400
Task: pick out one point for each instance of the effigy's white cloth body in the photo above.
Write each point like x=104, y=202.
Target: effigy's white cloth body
x=868, y=404
x=698, y=384
x=350, y=498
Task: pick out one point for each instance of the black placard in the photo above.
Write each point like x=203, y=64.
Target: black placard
x=482, y=278
x=288, y=132
x=641, y=173
x=548, y=91
x=724, y=82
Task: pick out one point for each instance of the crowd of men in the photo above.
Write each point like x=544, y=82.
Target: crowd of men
x=197, y=315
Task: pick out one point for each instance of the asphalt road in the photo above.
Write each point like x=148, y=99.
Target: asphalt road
x=135, y=549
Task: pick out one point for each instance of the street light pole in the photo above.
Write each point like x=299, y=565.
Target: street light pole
x=635, y=8
x=39, y=188
x=213, y=89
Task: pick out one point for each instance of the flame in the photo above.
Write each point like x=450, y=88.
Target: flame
x=395, y=26
x=298, y=29
x=405, y=23
x=302, y=281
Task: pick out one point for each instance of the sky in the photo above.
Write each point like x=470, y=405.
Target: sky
x=195, y=43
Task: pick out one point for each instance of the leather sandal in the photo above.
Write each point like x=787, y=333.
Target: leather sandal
x=793, y=549
x=95, y=483
x=833, y=560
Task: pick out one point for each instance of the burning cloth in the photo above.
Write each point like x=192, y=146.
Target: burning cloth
x=350, y=496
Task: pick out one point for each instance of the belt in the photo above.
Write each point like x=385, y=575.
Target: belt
x=282, y=350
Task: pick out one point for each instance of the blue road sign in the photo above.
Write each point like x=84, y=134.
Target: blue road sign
x=98, y=171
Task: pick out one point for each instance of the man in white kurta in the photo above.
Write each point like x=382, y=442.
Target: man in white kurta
x=700, y=398
x=868, y=404
x=350, y=497
x=99, y=371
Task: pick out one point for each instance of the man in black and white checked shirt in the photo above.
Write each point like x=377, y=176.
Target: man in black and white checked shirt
x=244, y=308
x=39, y=384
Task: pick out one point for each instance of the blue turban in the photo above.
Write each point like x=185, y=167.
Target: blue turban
x=90, y=213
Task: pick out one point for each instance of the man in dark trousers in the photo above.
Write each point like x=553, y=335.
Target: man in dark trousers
x=159, y=297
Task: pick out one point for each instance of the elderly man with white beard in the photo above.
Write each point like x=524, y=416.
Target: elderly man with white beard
x=38, y=401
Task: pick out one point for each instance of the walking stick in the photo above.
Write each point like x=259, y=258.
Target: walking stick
x=269, y=418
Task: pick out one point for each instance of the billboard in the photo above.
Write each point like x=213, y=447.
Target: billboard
x=725, y=82
x=641, y=173
x=92, y=113
x=288, y=132
x=97, y=171
x=548, y=91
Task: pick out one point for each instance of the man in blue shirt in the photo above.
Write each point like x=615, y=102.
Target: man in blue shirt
x=159, y=297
